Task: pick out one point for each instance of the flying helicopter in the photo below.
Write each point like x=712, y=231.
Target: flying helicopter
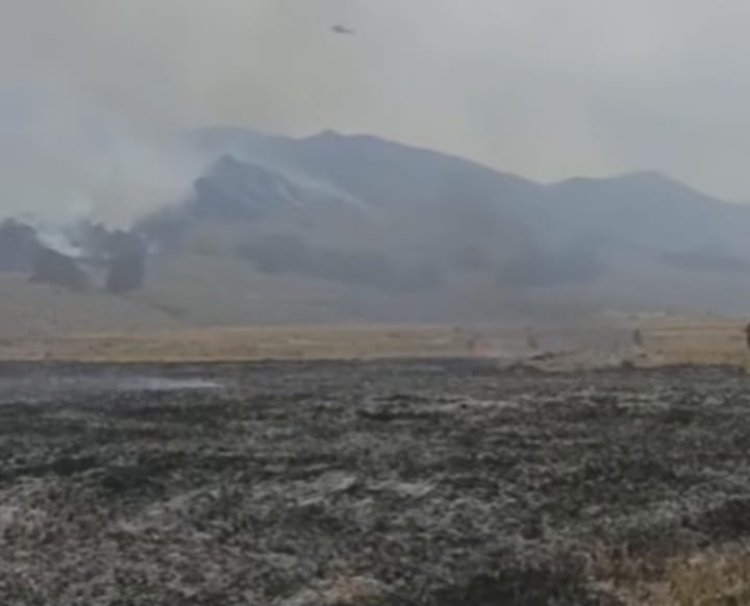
x=342, y=30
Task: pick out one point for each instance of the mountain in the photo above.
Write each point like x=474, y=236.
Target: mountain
x=374, y=171
x=574, y=234
x=646, y=210
x=333, y=228
x=362, y=207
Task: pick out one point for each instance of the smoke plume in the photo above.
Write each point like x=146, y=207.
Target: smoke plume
x=94, y=95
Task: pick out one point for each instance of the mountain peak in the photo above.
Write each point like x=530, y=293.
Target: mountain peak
x=327, y=133
x=651, y=181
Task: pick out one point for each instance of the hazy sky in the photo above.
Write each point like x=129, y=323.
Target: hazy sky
x=93, y=91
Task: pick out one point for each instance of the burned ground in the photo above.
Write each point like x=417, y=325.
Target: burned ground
x=415, y=483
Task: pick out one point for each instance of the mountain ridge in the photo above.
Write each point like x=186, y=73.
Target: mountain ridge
x=362, y=229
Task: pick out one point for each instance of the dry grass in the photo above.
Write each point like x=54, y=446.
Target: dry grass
x=717, y=578
x=697, y=341
x=343, y=590
x=230, y=344
x=667, y=341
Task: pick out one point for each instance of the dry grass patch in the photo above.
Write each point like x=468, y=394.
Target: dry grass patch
x=716, y=578
x=245, y=343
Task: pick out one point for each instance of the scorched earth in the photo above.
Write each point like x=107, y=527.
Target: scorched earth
x=418, y=482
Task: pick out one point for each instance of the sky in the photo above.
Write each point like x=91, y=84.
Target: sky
x=94, y=92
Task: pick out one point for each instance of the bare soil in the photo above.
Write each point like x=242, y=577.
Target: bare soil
x=413, y=482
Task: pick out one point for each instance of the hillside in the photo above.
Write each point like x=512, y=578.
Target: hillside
x=354, y=229
x=639, y=239
x=642, y=209
x=29, y=310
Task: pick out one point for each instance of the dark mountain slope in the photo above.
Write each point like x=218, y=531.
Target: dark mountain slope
x=355, y=228
x=644, y=210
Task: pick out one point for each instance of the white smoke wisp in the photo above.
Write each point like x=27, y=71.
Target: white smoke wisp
x=90, y=108
x=528, y=87
x=65, y=157
x=94, y=95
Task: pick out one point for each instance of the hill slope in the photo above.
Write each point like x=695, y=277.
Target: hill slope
x=354, y=228
x=640, y=239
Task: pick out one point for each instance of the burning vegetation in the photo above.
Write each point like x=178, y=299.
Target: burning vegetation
x=119, y=255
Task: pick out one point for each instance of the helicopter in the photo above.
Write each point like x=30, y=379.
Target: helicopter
x=342, y=30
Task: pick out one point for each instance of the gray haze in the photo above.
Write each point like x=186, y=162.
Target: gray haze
x=93, y=93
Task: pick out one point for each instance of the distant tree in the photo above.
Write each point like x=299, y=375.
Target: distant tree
x=57, y=269
x=127, y=263
x=18, y=246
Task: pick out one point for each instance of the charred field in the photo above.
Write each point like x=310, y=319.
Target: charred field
x=422, y=482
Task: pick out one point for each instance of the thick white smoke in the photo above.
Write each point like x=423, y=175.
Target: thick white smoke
x=93, y=92
x=93, y=95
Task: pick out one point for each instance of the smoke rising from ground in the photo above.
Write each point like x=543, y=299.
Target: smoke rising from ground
x=92, y=94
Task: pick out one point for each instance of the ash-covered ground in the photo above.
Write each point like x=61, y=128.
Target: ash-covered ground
x=445, y=483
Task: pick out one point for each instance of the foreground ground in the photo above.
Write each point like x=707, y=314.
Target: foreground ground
x=445, y=483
